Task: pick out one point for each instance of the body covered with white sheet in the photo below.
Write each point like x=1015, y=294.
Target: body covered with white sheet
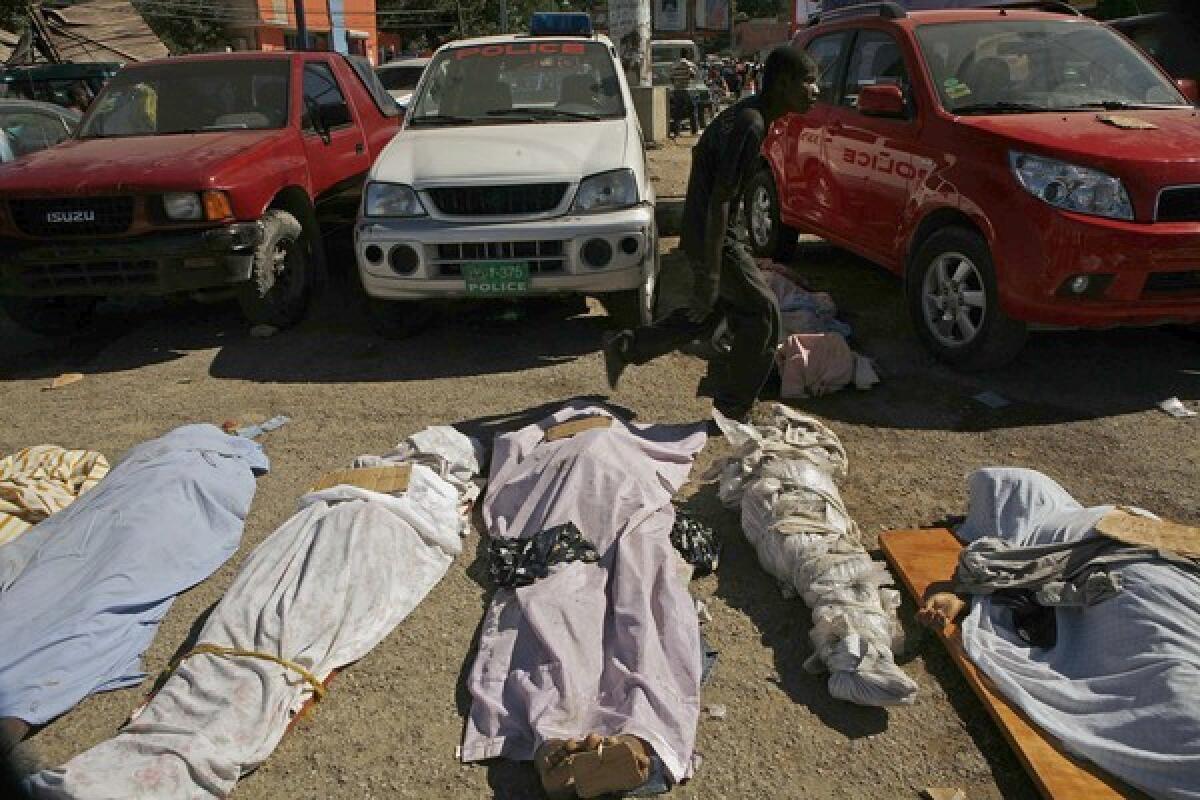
x=610, y=647
x=320, y=592
x=1121, y=685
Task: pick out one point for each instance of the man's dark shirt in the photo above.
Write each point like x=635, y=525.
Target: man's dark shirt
x=723, y=162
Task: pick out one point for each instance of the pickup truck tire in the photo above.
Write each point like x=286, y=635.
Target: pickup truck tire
x=955, y=305
x=399, y=319
x=769, y=237
x=281, y=279
x=51, y=316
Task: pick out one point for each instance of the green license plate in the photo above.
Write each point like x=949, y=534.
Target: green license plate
x=493, y=278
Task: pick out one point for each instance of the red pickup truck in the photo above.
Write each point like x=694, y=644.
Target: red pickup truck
x=197, y=175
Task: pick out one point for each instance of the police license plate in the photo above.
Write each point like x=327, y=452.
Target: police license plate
x=493, y=278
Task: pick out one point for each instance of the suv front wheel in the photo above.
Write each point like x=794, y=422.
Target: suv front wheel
x=769, y=237
x=954, y=303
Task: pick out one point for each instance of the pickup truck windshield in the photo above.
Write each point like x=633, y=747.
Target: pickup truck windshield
x=999, y=67
x=191, y=97
x=526, y=81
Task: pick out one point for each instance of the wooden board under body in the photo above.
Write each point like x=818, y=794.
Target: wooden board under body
x=924, y=557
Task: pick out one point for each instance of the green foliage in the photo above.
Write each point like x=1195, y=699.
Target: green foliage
x=201, y=32
x=12, y=15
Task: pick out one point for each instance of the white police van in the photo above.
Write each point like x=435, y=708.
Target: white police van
x=520, y=171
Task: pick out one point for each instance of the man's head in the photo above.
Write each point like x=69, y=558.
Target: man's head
x=789, y=79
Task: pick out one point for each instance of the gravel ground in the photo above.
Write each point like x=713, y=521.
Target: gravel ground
x=1082, y=409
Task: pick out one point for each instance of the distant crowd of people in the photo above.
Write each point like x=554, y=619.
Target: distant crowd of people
x=728, y=80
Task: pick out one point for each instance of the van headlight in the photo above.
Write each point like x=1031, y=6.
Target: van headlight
x=1071, y=187
x=607, y=191
x=183, y=205
x=392, y=200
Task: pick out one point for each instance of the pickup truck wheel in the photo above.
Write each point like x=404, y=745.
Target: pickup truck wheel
x=955, y=305
x=769, y=237
x=399, y=319
x=280, y=280
x=51, y=316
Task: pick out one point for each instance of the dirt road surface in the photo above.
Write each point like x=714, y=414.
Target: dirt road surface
x=1082, y=409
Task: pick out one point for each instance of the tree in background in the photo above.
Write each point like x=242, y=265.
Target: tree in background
x=12, y=15
x=199, y=29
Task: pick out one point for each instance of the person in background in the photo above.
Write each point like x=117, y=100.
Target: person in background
x=726, y=281
x=683, y=75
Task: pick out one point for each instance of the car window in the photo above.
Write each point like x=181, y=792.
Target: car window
x=322, y=94
x=400, y=78
x=28, y=132
x=191, y=97
x=546, y=81
x=370, y=81
x=877, y=59
x=826, y=51
x=1038, y=65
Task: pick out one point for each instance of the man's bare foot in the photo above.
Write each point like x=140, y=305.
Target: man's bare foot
x=940, y=610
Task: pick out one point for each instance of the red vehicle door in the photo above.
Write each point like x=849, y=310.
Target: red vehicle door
x=874, y=160
x=805, y=200
x=338, y=158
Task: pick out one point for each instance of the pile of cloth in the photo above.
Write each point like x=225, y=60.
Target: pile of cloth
x=782, y=475
x=601, y=654
x=319, y=593
x=42, y=480
x=82, y=593
x=1117, y=678
x=815, y=358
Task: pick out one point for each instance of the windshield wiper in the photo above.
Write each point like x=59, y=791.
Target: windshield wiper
x=1000, y=107
x=1121, y=105
x=542, y=113
x=446, y=118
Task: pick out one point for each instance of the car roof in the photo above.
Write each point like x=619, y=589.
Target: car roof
x=20, y=104
x=234, y=55
x=510, y=38
x=405, y=62
x=938, y=16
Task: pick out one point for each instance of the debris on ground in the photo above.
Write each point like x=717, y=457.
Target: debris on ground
x=943, y=794
x=66, y=379
x=992, y=400
x=254, y=431
x=715, y=711
x=1175, y=407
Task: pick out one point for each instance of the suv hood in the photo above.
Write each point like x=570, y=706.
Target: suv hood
x=1169, y=151
x=136, y=163
x=439, y=155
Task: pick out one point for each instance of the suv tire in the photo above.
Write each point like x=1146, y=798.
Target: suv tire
x=955, y=305
x=51, y=316
x=281, y=278
x=399, y=319
x=769, y=237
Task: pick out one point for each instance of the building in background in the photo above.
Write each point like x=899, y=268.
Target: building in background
x=347, y=26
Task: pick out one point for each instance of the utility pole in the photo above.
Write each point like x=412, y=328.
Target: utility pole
x=301, y=26
x=462, y=20
x=504, y=16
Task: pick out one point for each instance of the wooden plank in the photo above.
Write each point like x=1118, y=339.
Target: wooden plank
x=924, y=557
x=387, y=480
x=565, y=430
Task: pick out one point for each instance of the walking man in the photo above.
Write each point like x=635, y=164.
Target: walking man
x=726, y=282
x=683, y=75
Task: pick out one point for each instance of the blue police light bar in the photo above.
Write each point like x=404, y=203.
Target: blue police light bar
x=554, y=23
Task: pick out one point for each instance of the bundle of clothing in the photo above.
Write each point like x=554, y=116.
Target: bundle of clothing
x=42, y=480
x=319, y=593
x=782, y=474
x=83, y=592
x=600, y=657
x=1115, y=675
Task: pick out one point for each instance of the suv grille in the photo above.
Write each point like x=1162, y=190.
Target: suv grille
x=484, y=201
x=72, y=216
x=542, y=257
x=1169, y=282
x=97, y=275
x=1179, y=204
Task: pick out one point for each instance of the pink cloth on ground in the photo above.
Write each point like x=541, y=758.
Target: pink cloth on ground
x=609, y=647
x=813, y=364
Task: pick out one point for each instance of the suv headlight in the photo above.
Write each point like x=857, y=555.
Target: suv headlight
x=607, y=191
x=183, y=205
x=1071, y=187
x=392, y=200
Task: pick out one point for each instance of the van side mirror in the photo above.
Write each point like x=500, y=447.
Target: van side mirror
x=882, y=100
x=1190, y=89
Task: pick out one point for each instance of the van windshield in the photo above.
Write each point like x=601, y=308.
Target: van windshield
x=524, y=81
x=191, y=97
x=1039, y=65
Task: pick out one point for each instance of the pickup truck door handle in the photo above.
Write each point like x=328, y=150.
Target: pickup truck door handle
x=358, y=148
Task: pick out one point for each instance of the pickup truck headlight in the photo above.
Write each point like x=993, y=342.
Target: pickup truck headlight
x=1071, y=187
x=607, y=191
x=392, y=200
x=183, y=205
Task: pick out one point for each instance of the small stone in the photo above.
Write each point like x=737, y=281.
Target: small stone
x=716, y=711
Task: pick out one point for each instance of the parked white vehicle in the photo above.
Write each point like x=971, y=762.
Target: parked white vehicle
x=400, y=77
x=520, y=171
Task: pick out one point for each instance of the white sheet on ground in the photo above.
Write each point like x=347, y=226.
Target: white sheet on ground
x=1121, y=685
x=321, y=591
